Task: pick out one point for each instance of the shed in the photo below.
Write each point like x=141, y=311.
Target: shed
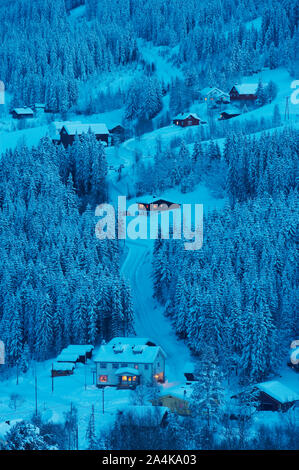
x=61, y=369
x=84, y=350
x=275, y=396
x=22, y=113
x=176, y=400
x=229, y=113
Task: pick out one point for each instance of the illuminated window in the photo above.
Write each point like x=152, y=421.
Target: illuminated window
x=134, y=378
x=124, y=378
x=103, y=378
x=136, y=366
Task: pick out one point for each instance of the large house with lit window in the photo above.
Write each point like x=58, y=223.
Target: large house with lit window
x=128, y=362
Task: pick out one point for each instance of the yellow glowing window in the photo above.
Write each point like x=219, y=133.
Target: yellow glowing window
x=124, y=378
x=103, y=378
x=134, y=378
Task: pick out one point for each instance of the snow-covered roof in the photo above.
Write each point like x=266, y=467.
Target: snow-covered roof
x=294, y=353
x=79, y=348
x=68, y=356
x=63, y=366
x=127, y=371
x=133, y=340
x=182, y=116
x=75, y=128
x=278, y=391
x=23, y=111
x=246, y=88
x=208, y=90
x=123, y=352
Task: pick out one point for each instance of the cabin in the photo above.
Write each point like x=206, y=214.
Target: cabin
x=69, y=132
x=275, y=396
x=76, y=353
x=62, y=369
x=186, y=120
x=128, y=362
x=158, y=205
x=244, y=92
x=22, y=113
x=229, y=113
x=214, y=96
x=177, y=400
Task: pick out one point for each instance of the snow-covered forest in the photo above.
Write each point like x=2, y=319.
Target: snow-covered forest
x=224, y=316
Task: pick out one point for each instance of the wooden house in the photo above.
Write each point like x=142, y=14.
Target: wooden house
x=229, y=113
x=244, y=92
x=214, y=96
x=62, y=369
x=158, y=205
x=186, y=120
x=70, y=130
x=275, y=396
x=128, y=362
x=22, y=113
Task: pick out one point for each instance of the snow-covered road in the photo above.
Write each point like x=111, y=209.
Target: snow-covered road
x=149, y=317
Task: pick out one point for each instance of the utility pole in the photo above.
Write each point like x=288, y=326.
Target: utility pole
x=287, y=112
x=103, y=400
x=35, y=394
x=52, y=378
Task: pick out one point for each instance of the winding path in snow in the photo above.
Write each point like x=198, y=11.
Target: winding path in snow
x=150, y=320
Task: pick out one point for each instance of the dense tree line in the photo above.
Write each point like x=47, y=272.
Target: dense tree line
x=59, y=283
x=239, y=292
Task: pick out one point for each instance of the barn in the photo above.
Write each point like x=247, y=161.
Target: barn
x=70, y=130
x=22, y=113
x=186, y=120
x=229, y=113
x=275, y=396
x=244, y=92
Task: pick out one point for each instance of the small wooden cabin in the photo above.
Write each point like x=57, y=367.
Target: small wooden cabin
x=76, y=353
x=186, y=120
x=275, y=396
x=229, y=113
x=22, y=113
x=69, y=132
x=159, y=205
x=62, y=369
